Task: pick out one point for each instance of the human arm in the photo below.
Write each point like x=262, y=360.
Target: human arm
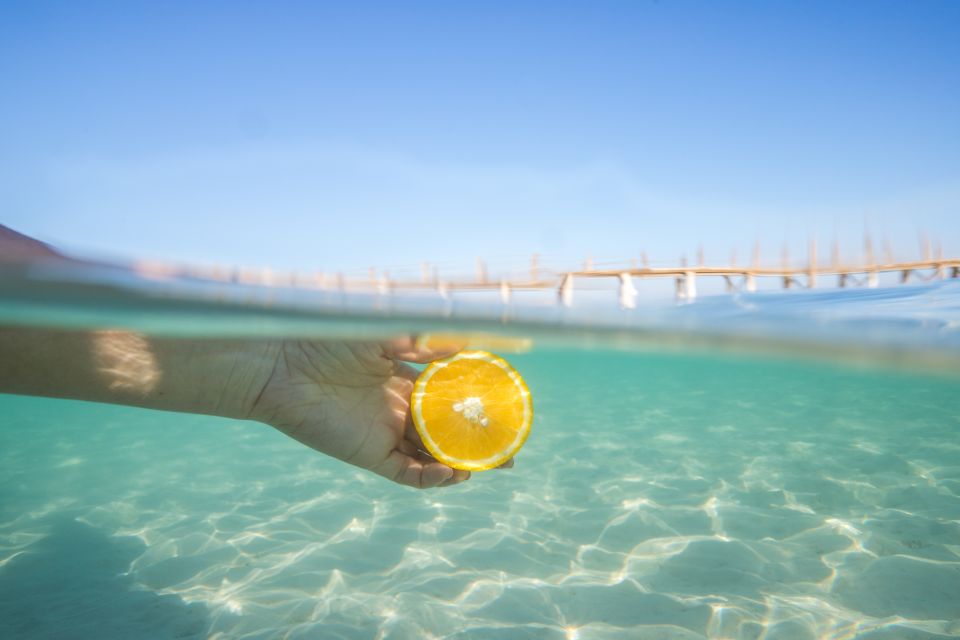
x=213, y=377
x=346, y=399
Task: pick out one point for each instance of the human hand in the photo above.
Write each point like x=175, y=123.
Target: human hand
x=351, y=400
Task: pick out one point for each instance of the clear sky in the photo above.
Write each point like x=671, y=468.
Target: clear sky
x=318, y=135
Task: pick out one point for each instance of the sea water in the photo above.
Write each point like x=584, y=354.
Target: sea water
x=663, y=493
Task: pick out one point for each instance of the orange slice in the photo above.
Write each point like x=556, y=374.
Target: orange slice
x=485, y=341
x=472, y=410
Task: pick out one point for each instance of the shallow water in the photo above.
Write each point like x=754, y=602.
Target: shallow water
x=770, y=466
x=660, y=495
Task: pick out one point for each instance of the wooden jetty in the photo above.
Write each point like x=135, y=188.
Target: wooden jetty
x=685, y=277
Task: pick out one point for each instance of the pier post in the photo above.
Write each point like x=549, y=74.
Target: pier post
x=785, y=262
x=383, y=284
x=812, y=265
x=690, y=286
x=628, y=293
x=750, y=281
x=504, y=292
x=565, y=293
x=873, y=276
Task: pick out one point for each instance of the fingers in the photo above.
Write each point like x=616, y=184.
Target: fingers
x=412, y=349
x=423, y=475
x=412, y=443
x=403, y=469
x=411, y=434
x=459, y=475
x=406, y=372
x=409, y=466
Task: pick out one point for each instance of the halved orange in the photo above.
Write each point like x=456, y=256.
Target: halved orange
x=472, y=410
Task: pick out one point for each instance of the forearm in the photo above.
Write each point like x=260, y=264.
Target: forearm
x=216, y=377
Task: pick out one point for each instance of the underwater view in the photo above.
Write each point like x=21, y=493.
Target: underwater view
x=708, y=492
x=623, y=320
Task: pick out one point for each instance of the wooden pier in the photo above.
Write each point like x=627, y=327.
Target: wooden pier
x=626, y=279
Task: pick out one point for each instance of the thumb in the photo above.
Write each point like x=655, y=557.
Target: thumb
x=421, y=348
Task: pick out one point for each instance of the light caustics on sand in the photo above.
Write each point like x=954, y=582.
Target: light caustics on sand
x=705, y=506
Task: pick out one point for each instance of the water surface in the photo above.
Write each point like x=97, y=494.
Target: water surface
x=662, y=494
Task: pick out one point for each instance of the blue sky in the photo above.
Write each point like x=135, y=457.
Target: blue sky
x=344, y=135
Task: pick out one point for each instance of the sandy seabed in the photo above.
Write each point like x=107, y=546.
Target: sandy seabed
x=658, y=497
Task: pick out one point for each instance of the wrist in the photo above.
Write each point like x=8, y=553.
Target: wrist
x=216, y=377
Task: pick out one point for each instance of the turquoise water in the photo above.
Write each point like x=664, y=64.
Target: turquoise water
x=659, y=496
x=750, y=487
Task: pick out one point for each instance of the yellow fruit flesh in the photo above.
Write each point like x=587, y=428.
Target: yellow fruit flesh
x=473, y=411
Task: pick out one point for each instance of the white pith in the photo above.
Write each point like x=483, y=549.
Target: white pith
x=472, y=410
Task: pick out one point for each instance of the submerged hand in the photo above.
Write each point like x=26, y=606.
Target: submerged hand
x=351, y=400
